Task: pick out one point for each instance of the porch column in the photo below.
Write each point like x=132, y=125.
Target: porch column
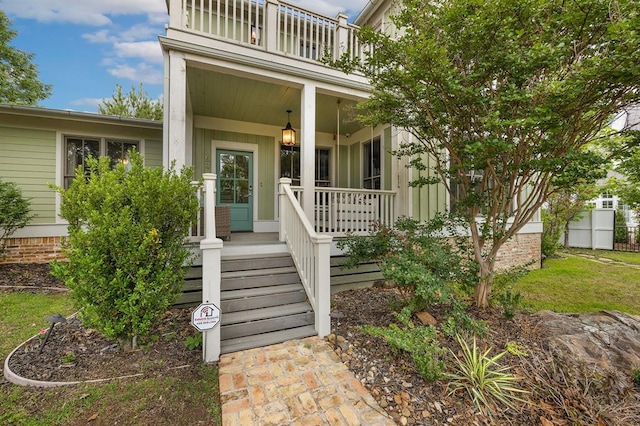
x=308, y=149
x=175, y=111
x=342, y=36
x=211, y=268
x=271, y=30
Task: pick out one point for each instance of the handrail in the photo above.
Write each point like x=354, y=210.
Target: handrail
x=310, y=252
x=272, y=25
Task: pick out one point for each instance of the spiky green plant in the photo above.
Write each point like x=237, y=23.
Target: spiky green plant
x=487, y=383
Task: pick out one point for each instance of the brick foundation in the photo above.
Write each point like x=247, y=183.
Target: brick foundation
x=32, y=250
x=519, y=250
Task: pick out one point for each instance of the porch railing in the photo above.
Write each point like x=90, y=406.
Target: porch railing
x=196, y=233
x=311, y=255
x=341, y=211
x=271, y=25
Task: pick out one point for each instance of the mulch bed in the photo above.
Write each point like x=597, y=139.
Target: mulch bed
x=76, y=353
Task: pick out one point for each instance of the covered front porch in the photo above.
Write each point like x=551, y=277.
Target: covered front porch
x=236, y=74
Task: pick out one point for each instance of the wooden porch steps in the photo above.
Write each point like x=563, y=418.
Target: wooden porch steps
x=262, y=301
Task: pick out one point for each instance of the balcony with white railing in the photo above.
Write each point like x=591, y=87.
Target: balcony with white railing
x=270, y=25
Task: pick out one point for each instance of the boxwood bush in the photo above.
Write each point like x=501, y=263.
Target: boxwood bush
x=125, y=250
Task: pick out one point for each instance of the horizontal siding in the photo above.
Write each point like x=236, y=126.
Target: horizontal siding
x=153, y=153
x=28, y=158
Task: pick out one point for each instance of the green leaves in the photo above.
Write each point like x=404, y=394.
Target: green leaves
x=14, y=211
x=511, y=90
x=19, y=81
x=126, y=251
x=135, y=104
x=485, y=381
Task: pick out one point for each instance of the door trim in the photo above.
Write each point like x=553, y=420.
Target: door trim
x=239, y=146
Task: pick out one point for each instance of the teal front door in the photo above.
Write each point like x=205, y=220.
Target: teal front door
x=235, y=187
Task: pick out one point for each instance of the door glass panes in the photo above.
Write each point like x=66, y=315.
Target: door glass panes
x=227, y=191
x=242, y=167
x=235, y=187
x=227, y=166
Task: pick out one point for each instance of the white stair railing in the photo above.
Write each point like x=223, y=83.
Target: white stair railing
x=311, y=255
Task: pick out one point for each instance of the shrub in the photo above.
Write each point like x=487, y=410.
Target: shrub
x=416, y=256
x=421, y=343
x=126, y=252
x=14, y=211
x=510, y=302
x=486, y=382
x=621, y=234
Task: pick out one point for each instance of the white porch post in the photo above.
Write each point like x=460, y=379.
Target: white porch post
x=175, y=13
x=342, y=36
x=211, y=269
x=323, y=284
x=175, y=117
x=271, y=32
x=283, y=212
x=308, y=149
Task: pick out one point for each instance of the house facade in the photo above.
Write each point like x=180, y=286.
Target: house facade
x=41, y=147
x=232, y=71
x=240, y=75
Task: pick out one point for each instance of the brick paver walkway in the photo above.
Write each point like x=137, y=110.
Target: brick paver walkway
x=301, y=382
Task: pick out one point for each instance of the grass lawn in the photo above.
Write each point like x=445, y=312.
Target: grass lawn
x=576, y=284
x=171, y=400
x=619, y=256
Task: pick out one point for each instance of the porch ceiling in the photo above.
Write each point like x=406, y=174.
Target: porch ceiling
x=233, y=97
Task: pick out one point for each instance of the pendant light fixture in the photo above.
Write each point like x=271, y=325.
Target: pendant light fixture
x=288, y=134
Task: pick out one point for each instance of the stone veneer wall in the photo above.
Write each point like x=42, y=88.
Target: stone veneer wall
x=32, y=250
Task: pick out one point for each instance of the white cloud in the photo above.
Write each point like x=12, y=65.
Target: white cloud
x=331, y=8
x=87, y=12
x=91, y=102
x=149, y=51
x=142, y=72
x=101, y=36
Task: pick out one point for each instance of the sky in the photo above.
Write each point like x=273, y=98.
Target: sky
x=83, y=48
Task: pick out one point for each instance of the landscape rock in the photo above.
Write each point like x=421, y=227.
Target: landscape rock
x=426, y=318
x=608, y=339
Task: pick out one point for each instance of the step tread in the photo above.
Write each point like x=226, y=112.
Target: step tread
x=266, y=339
x=264, y=313
x=232, y=331
x=260, y=291
x=259, y=272
x=249, y=256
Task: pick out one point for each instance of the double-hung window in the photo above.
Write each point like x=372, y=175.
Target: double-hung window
x=290, y=165
x=371, y=162
x=78, y=149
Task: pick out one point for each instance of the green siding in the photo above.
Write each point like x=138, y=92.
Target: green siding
x=386, y=158
x=343, y=168
x=29, y=159
x=266, y=156
x=430, y=199
x=355, y=165
x=153, y=152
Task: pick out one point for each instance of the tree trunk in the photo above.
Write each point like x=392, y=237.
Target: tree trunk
x=482, y=291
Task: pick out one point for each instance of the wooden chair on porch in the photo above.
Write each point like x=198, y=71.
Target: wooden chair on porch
x=223, y=222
